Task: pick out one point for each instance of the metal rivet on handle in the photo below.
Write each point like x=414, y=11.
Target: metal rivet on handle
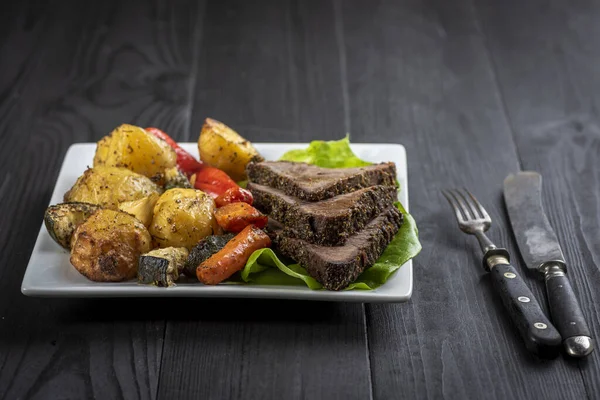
x=510, y=275
x=523, y=299
x=540, y=325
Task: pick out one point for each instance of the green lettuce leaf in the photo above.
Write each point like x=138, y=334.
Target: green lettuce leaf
x=265, y=267
x=332, y=154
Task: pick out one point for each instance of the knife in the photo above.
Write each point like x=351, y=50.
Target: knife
x=538, y=333
x=541, y=252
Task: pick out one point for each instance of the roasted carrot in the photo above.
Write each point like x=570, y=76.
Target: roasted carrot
x=233, y=256
x=236, y=216
x=234, y=195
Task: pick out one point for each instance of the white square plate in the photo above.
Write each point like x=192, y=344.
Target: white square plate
x=50, y=274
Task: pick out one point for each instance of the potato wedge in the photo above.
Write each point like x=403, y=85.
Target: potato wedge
x=221, y=147
x=107, y=246
x=183, y=217
x=109, y=186
x=142, y=209
x=133, y=148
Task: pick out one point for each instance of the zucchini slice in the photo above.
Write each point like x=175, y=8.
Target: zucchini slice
x=203, y=250
x=61, y=220
x=161, y=267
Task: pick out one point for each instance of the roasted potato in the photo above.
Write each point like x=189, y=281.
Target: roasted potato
x=133, y=148
x=109, y=186
x=61, y=220
x=107, y=246
x=182, y=217
x=223, y=148
x=142, y=209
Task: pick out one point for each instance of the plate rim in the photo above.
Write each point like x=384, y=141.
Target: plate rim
x=219, y=291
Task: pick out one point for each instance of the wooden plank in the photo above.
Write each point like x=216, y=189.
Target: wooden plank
x=418, y=74
x=545, y=54
x=76, y=71
x=229, y=349
x=271, y=71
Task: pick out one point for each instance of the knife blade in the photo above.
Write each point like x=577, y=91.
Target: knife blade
x=541, y=251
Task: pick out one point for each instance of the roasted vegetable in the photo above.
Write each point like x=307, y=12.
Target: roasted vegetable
x=221, y=147
x=208, y=179
x=185, y=161
x=236, y=216
x=61, y=220
x=203, y=250
x=182, y=217
x=233, y=256
x=174, y=178
x=106, y=247
x=133, y=148
x=109, y=186
x=161, y=267
x=234, y=195
x=212, y=181
x=142, y=209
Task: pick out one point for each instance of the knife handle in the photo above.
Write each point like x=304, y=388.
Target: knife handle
x=540, y=336
x=566, y=313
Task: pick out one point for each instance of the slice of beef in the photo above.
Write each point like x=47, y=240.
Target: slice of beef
x=336, y=267
x=328, y=222
x=308, y=182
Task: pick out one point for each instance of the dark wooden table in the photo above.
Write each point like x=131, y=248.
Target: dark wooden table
x=475, y=90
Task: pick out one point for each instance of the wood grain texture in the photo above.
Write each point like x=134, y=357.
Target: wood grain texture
x=474, y=90
x=419, y=74
x=76, y=71
x=270, y=70
x=260, y=349
x=547, y=68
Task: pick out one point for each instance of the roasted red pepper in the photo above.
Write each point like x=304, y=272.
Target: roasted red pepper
x=236, y=216
x=208, y=179
x=185, y=161
x=213, y=181
x=234, y=195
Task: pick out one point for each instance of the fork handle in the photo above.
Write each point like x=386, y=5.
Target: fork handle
x=540, y=336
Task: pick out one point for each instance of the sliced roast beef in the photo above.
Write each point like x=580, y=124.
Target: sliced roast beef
x=328, y=222
x=336, y=267
x=308, y=182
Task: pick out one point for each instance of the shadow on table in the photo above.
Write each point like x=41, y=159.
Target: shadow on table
x=190, y=309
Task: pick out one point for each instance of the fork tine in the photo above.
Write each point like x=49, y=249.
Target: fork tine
x=454, y=204
x=467, y=212
x=478, y=205
x=469, y=204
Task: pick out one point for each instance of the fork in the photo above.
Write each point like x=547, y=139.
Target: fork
x=540, y=336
